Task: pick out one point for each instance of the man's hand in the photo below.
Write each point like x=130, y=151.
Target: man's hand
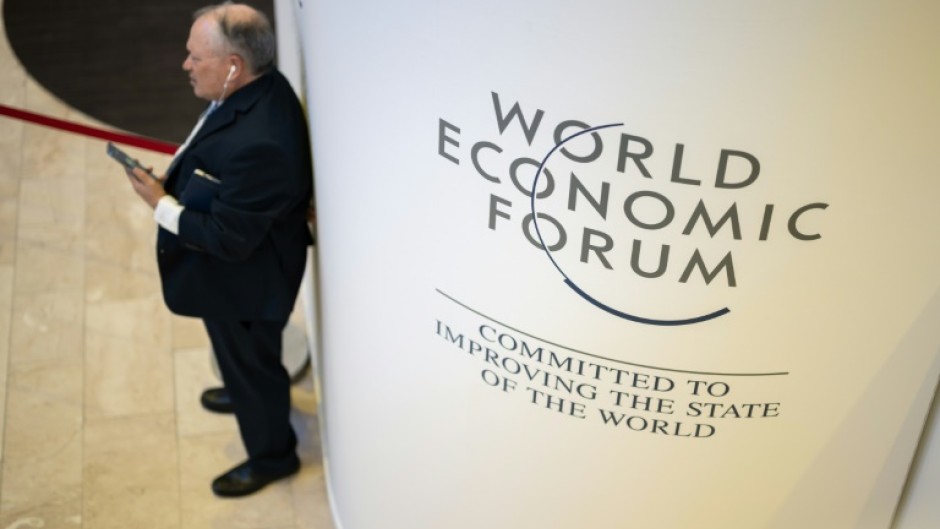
x=149, y=189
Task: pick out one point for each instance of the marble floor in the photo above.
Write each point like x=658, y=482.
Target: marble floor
x=100, y=425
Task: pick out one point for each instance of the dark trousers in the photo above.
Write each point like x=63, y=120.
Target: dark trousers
x=249, y=358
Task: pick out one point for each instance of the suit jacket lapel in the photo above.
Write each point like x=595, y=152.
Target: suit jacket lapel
x=239, y=102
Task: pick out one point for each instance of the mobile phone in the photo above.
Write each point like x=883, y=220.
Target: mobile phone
x=124, y=159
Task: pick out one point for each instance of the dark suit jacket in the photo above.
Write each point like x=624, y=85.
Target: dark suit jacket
x=245, y=183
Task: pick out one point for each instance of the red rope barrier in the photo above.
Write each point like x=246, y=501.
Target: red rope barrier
x=69, y=126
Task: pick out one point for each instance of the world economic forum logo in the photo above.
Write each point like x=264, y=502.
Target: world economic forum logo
x=580, y=221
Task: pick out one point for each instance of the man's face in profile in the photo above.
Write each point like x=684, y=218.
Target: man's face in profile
x=206, y=63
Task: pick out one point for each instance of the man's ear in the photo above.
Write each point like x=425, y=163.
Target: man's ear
x=236, y=67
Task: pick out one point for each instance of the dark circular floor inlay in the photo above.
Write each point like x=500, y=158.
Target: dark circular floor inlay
x=117, y=61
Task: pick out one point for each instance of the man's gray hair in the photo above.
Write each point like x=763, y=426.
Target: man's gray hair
x=245, y=31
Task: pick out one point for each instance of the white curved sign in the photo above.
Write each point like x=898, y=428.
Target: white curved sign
x=621, y=263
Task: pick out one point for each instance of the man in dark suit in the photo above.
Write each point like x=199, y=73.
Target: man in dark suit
x=233, y=234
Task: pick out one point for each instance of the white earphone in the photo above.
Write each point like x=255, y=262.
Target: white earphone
x=231, y=72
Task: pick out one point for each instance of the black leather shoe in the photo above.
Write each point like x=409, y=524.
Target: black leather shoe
x=245, y=479
x=217, y=400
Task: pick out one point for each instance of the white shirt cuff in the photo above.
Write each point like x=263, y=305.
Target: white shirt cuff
x=167, y=214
